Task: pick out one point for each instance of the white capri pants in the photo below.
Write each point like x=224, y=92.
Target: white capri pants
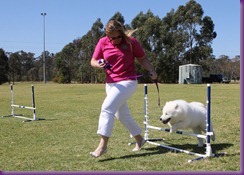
x=115, y=104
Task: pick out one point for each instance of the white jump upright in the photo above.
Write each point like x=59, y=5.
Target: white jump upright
x=33, y=107
x=208, y=152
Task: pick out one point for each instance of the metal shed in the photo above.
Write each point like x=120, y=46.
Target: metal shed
x=190, y=74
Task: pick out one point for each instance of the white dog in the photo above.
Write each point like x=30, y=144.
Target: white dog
x=180, y=114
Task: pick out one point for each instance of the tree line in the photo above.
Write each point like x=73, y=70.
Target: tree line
x=183, y=36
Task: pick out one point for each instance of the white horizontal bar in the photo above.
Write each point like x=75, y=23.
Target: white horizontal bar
x=25, y=107
x=177, y=132
x=177, y=149
x=17, y=116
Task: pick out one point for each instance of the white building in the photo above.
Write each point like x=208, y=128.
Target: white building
x=190, y=74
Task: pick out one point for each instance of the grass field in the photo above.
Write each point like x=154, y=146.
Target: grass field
x=63, y=141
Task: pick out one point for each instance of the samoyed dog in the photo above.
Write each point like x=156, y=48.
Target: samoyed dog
x=179, y=114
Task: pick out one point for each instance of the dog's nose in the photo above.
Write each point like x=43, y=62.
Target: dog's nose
x=160, y=119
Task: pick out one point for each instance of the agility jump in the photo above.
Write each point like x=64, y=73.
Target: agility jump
x=207, y=136
x=33, y=107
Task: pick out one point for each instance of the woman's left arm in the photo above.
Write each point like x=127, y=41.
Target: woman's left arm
x=144, y=61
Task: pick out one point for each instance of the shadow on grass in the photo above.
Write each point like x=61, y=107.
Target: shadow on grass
x=49, y=119
x=153, y=151
x=216, y=148
x=194, y=148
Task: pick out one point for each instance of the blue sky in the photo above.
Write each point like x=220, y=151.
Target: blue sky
x=21, y=22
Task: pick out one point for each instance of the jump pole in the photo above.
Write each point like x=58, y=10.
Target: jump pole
x=208, y=152
x=33, y=107
x=146, y=135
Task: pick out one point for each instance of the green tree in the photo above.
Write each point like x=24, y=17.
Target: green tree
x=88, y=43
x=64, y=64
x=119, y=17
x=49, y=58
x=148, y=34
x=198, y=32
x=223, y=66
x=33, y=74
x=14, y=67
x=235, y=67
x=172, y=39
x=3, y=67
x=27, y=62
x=207, y=66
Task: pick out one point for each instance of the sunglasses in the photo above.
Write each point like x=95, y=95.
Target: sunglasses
x=117, y=37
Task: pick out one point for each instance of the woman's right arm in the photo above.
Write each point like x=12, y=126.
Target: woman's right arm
x=97, y=54
x=96, y=64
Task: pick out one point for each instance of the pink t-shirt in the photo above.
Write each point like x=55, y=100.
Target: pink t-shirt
x=121, y=57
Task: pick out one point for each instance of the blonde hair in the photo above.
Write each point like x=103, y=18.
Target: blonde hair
x=114, y=25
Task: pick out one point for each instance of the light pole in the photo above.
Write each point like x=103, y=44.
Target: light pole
x=44, y=61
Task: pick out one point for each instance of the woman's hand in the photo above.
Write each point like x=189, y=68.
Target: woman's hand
x=97, y=64
x=153, y=74
x=101, y=63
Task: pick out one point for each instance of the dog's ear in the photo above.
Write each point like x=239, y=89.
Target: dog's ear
x=176, y=106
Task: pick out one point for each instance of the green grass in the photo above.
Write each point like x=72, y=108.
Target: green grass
x=63, y=141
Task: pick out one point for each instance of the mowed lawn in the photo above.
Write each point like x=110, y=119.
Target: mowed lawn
x=63, y=141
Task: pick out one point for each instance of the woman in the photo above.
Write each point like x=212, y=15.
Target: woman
x=118, y=51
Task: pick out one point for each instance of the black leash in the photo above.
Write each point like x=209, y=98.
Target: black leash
x=156, y=83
